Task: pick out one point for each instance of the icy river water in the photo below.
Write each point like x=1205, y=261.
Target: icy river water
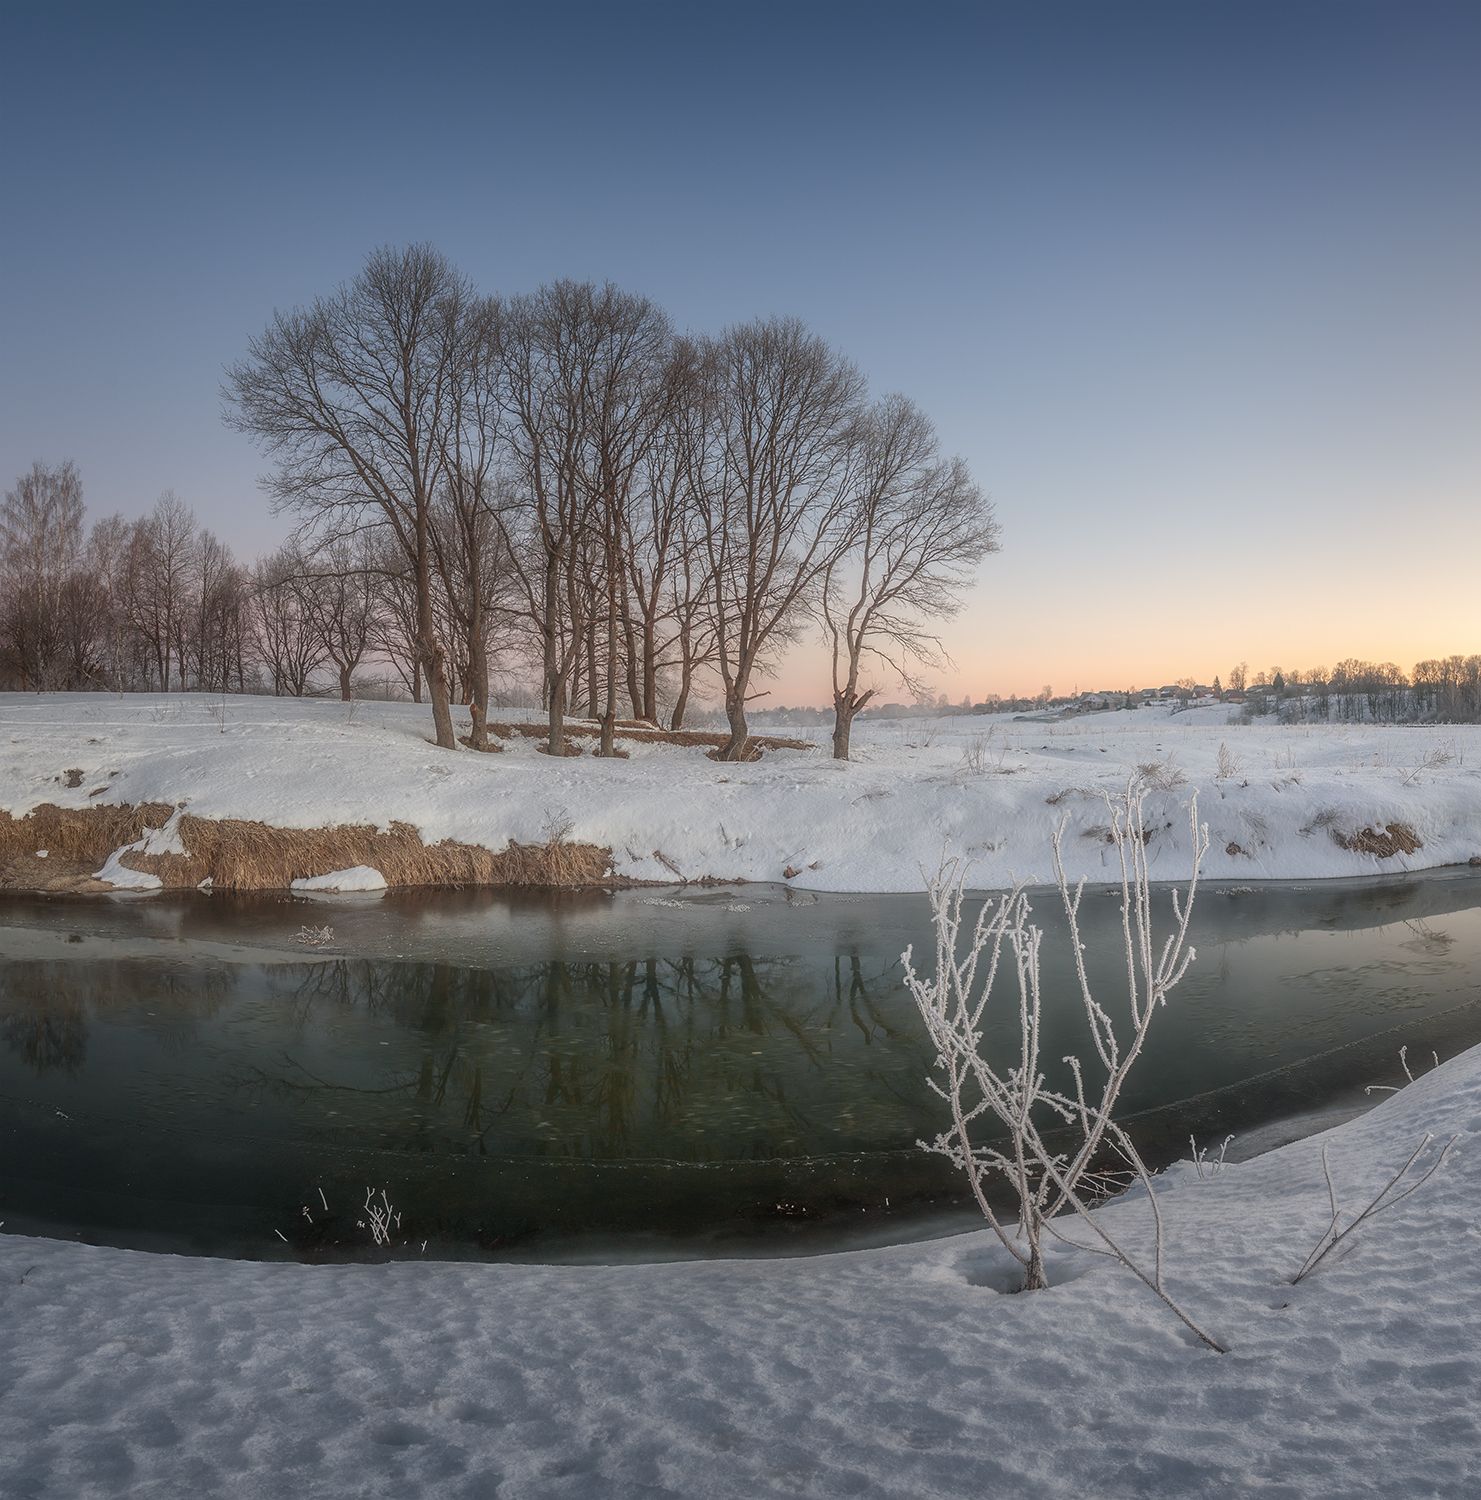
x=727, y=1071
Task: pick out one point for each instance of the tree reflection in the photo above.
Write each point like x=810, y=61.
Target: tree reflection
x=689, y=1058
x=46, y=1005
x=43, y=1018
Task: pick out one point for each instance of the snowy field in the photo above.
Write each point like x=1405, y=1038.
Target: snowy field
x=906, y=1372
x=903, y=1372
x=1278, y=807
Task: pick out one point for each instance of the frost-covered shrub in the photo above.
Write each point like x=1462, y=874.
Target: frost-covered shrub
x=1008, y=1123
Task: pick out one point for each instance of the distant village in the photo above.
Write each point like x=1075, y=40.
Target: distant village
x=1046, y=702
x=1440, y=689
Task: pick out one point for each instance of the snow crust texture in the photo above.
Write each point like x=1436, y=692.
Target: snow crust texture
x=1281, y=802
x=906, y=1372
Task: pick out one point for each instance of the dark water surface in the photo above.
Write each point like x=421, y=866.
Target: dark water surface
x=544, y=1076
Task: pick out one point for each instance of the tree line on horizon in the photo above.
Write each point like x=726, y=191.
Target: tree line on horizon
x=160, y=604
x=558, y=483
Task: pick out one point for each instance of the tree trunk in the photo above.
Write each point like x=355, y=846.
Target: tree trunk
x=649, y=709
x=478, y=676
x=681, y=700
x=843, y=723
x=591, y=670
x=555, y=697
x=427, y=645
x=555, y=740
x=630, y=637
x=735, y=714
x=686, y=678
x=609, y=708
x=846, y=704
x=344, y=684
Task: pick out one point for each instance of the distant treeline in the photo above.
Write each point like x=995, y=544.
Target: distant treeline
x=1443, y=689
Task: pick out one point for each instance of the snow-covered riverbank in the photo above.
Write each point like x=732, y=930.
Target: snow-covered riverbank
x=1281, y=803
x=903, y=1372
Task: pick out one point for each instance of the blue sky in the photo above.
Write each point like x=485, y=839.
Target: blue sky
x=1195, y=289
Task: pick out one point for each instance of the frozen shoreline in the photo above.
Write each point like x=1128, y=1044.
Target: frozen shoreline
x=1302, y=803
x=901, y=1371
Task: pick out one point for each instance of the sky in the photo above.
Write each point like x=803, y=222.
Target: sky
x=1195, y=289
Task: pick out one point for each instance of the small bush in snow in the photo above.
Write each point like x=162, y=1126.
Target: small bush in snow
x=1160, y=775
x=1011, y=1092
x=1393, y=1088
x=1205, y=1165
x=1398, y=1187
x=1436, y=758
x=380, y=1218
x=980, y=757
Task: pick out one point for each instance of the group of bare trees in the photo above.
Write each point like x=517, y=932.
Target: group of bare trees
x=160, y=604
x=1444, y=689
x=559, y=483
x=153, y=603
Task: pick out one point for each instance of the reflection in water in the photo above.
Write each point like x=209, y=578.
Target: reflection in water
x=663, y=1059
x=45, y=1006
x=515, y=1068
x=42, y=1017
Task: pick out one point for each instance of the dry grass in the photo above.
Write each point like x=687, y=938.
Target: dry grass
x=1160, y=775
x=71, y=834
x=236, y=854
x=1396, y=838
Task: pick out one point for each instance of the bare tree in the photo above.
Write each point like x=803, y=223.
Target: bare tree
x=667, y=595
x=467, y=538
x=629, y=394
x=549, y=354
x=40, y=548
x=394, y=625
x=342, y=598
x=351, y=398
x=287, y=642
x=631, y=390
x=218, y=624
x=158, y=586
x=771, y=465
x=918, y=526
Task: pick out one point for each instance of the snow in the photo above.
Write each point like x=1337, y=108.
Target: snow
x=163, y=840
x=989, y=785
x=903, y=1372
x=356, y=878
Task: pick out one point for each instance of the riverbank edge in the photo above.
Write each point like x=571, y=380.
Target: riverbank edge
x=54, y=850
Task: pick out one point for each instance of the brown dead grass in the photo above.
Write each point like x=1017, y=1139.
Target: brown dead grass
x=1384, y=842
x=85, y=833
x=236, y=854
